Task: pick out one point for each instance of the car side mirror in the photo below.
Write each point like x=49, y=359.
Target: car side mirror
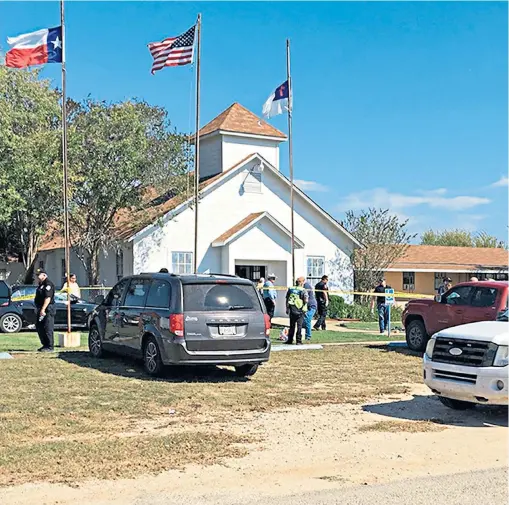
x=438, y=298
x=99, y=299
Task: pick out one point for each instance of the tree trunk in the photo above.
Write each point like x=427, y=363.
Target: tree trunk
x=93, y=266
x=31, y=243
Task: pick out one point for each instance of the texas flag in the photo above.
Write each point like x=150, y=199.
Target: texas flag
x=277, y=102
x=36, y=48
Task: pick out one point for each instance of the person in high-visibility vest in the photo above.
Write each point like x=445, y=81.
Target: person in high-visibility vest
x=296, y=307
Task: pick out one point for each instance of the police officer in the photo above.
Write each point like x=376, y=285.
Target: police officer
x=45, y=309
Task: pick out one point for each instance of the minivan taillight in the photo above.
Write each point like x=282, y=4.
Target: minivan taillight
x=267, y=324
x=5, y=304
x=177, y=325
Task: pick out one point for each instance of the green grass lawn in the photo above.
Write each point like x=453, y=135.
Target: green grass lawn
x=330, y=337
x=30, y=341
x=27, y=341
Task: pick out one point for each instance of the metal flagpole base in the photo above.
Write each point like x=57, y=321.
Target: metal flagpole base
x=72, y=339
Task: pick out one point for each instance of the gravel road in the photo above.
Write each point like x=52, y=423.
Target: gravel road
x=472, y=488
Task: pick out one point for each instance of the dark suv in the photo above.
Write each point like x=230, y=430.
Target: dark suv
x=168, y=319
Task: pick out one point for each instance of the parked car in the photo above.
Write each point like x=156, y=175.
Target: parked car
x=467, y=364
x=168, y=319
x=17, y=309
x=467, y=302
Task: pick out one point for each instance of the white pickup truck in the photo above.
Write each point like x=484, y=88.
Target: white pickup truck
x=468, y=364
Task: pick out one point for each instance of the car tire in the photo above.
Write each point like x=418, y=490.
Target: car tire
x=456, y=404
x=416, y=335
x=10, y=323
x=95, y=345
x=246, y=370
x=152, y=361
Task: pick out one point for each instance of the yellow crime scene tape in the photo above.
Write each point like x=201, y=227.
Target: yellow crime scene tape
x=397, y=294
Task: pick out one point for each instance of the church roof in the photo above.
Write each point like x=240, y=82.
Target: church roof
x=237, y=119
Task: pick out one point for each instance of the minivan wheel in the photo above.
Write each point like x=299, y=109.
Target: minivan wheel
x=246, y=370
x=416, y=336
x=95, y=345
x=152, y=358
x=10, y=323
x=456, y=404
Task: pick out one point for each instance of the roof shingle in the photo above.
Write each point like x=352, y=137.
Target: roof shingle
x=238, y=119
x=450, y=259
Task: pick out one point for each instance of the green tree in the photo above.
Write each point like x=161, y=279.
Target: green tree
x=385, y=238
x=30, y=168
x=460, y=238
x=118, y=153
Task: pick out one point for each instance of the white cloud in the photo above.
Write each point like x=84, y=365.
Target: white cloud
x=381, y=197
x=503, y=181
x=433, y=192
x=311, y=186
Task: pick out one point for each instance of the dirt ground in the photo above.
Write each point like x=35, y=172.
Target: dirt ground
x=313, y=448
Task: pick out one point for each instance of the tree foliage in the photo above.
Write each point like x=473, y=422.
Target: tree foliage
x=460, y=238
x=385, y=238
x=30, y=170
x=117, y=152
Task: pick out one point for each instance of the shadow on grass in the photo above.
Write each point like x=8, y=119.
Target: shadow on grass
x=129, y=367
x=397, y=349
x=429, y=408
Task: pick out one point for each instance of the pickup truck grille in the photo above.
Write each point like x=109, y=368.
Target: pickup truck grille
x=454, y=376
x=473, y=352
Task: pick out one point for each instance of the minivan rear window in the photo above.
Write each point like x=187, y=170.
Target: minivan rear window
x=210, y=297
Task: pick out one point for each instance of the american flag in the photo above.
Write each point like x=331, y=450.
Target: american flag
x=173, y=51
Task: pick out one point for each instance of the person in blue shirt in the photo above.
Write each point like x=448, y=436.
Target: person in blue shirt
x=312, y=306
x=270, y=295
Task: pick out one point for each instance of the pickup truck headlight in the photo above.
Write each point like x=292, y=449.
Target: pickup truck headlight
x=502, y=356
x=429, y=348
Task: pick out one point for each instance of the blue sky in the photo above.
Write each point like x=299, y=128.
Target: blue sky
x=398, y=105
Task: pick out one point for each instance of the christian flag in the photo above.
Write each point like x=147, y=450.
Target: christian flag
x=36, y=48
x=277, y=102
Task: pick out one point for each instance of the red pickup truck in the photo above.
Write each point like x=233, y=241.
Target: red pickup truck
x=467, y=302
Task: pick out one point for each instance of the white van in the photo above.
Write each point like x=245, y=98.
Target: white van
x=467, y=365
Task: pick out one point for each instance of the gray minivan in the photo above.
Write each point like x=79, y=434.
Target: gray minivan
x=169, y=319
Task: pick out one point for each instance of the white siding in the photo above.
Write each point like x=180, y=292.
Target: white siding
x=236, y=149
x=227, y=205
x=107, y=265
x=210, y=156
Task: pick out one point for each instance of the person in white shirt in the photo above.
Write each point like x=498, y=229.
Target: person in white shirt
x=74, y=289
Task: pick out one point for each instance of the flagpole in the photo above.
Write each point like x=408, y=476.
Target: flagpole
x=197, y=145
x=290, y=153
x=65, y=171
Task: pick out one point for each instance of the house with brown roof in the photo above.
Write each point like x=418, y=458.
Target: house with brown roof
x=244, y=218
x=422, y=268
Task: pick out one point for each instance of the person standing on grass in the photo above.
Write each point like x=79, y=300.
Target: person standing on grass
x=296, y=307
x=45, y=311
x=312, y=306
x=382, y=307
x=322, y=299
x=270, y=295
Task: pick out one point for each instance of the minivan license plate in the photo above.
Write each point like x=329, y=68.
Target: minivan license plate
x=227, y=330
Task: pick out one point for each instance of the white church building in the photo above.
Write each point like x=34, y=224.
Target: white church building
x=244, y=219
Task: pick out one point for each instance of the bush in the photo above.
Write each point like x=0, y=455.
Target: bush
x=339, y=309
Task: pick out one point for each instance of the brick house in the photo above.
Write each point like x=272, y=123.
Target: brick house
x=422, y=267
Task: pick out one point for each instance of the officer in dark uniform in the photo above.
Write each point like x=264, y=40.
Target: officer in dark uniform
x=45, y=308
